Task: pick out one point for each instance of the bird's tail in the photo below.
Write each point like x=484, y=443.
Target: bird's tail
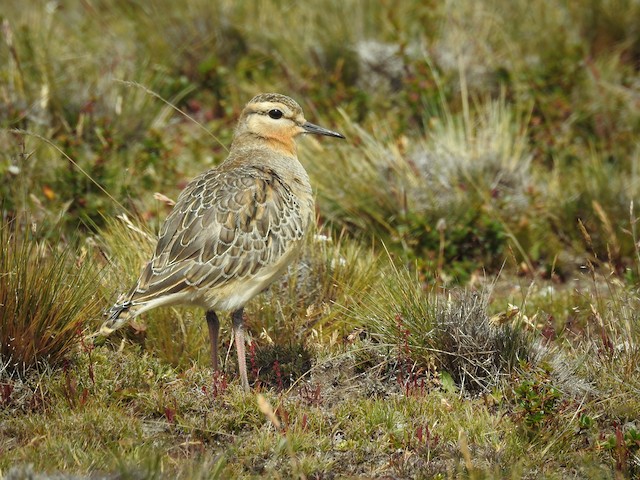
x=117, y=316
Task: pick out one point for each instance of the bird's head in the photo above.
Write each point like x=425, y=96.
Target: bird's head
x=277, y=119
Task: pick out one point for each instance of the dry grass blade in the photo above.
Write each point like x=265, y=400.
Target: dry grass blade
x=169, y=104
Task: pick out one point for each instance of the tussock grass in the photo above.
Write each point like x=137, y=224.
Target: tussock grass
x=47, y=296
x=449, y=329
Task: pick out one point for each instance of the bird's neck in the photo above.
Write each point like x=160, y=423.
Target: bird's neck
x=278, y=144
x=287, y=167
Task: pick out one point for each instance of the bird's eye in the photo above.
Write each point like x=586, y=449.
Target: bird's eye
x=275, y=114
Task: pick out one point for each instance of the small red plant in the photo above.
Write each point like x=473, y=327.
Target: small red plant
x=219, y=384
x=411, y=380
x=6, y=389
x=87, y=348
x=278, y=372
x=170, y=414
x=425, y=437
x=415, y=384
x=621, y=450
x=404, y=352
x=74, y=397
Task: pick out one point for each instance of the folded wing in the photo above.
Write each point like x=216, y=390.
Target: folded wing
x=224, y=227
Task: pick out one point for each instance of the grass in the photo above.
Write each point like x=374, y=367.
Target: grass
x=466, y=307
x=46, y=297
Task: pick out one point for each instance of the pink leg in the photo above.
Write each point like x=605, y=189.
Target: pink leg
x=238, y=330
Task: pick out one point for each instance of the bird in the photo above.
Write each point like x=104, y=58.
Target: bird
x=234, y=228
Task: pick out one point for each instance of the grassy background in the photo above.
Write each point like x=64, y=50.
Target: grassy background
x=467, y=306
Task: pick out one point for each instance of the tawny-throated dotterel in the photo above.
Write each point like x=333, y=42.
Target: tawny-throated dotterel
x=234, y=228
